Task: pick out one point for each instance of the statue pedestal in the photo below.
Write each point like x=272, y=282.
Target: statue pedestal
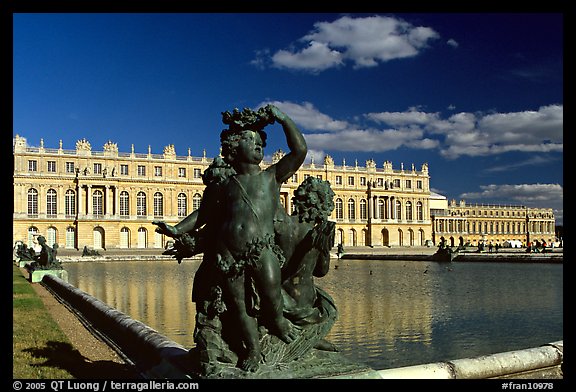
x=36, y=276
x=316, y=364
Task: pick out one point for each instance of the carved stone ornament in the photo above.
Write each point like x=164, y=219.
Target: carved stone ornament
x=83, y=145
x=169, y=150
x=110, y=147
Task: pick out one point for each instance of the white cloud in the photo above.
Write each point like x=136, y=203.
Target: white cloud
x=476, y=134
x=532, y=161
x=365, y=42
x=316, y=156
x=526, y=127
x=316, y=57
x=308, y=117
x=469, y=134
x=410, y=117
x=451, y=42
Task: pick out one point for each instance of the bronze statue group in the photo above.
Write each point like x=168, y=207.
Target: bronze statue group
x=256, y=301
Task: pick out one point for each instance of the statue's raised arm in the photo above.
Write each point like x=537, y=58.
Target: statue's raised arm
x=292, y=161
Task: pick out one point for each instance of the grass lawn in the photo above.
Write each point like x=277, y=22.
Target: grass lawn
x=39, y=347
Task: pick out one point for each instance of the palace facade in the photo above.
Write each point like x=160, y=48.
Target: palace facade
x=108, y=199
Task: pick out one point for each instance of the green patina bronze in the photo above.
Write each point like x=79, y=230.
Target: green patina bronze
x=257, y=307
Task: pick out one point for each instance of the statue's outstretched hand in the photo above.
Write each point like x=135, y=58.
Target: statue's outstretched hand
x=166, y=229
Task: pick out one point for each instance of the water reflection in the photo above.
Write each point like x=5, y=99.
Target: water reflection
x=392, y=313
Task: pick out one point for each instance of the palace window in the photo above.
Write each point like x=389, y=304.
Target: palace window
x=397, y=183
x=197, y=173
x=124, y=203
x=381, y=209
x=339, y=209
x=338, y=180
x=32, y=202
x=141, y=204
x=70, y=203
x=418, y=184
x=97, y=168
x=141, y=170
x=124, y=170
x=363, y=181
x=182, y=205
x=380, y=182
x=51, y=166
x=182, y=172
x=419, y=211
x=51, y=203
x=409, y=184
x=158, y=171
x=97, y=203
x=69, y=167
x=408, y=210
x=351, y=209
x=32, y=165
x=351, y=180
x=196, y=200
x=363, y=209
x=398, y=209
x=32, y=232
x=158, y=205
x=295, y=177
x=70, y=237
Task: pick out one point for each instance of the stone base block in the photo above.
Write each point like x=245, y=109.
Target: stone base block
x=37, y=275
x=316, y=365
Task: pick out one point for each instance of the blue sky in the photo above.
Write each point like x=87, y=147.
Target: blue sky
x=477, y=96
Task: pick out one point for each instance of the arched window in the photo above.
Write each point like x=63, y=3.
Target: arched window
x=351, y=209
x=142, y=237
x=419, y=211
x=398, y=210
x=32, y=201
x=408, y=210
x=196, y=200
x=124, y=203
x=51, y=209
x=32, y=233
x=352, y=237
x=124, y=238
x=141, y=204
x=98, y=238
x=97, y=206
x=51, y=236
x=338, y=209
x=182, y=205
x=158, y=205
x=70, y=203
x=363, y=209
x=70, y=237
x=381, y=209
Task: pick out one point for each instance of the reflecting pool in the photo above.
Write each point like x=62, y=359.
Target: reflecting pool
x=392, y=313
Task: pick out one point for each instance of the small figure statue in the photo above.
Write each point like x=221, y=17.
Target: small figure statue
x=25, y=253
x=47, y=257
x=306, y=238
x=89, y=252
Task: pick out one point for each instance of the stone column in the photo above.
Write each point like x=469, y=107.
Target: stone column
x=80, y=203
x=89, y=204
x=107, y=200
